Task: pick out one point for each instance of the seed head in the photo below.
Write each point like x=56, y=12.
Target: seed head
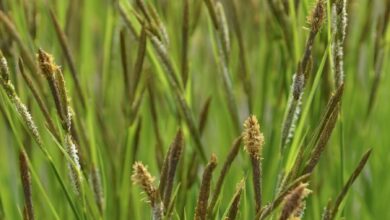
x=75, y=168
x=173, y=160
x=298, y=85
x=293, y=202
x=253, y=138
x=20, y=107
x=46, y=63
x=4, y=68
x=177, y=146
x=56, y=82
x=317, y=16
x=145, y=180
x=142, y=177
x=344, y=20
x=204, y=192
x=96, y=183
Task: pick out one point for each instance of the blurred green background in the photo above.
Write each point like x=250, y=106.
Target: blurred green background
x=93, y=29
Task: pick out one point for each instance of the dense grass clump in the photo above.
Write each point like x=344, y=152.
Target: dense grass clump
x=214, y=109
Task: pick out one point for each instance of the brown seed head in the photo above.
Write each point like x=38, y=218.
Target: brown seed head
x=253, y=138
x=177, y=145
x=173, y=160
x=293, y=201
x=317, y=16
x=144, y=179
x=46, y=63
x=203, y=197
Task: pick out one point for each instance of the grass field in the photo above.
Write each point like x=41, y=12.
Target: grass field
x=194, y=109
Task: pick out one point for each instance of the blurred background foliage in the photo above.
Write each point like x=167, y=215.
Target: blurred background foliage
x=93, y=29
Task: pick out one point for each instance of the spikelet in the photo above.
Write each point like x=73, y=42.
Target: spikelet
x=297, y=91
x=26, y=183
x=334, y=20
x=96, y=182
x=293, y=202
x=254, y=141
x=4, y=68
x=175, y=152
x=27, y=118
x=317, y=16
x=204, y=192
x=46, y=63
x=334, y=44
x=340, y=54
x=253, y=138
x=342, y=18
x=20, y=107
x=294, y=109
x=145, y=180
x=298, y=85
x=63, y=95
x=339, y=26
x=298, y=214
x=49, y=70
x=68, y=119
x=74, y=167
x=295, y=116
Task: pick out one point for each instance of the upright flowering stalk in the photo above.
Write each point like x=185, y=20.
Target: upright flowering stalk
x=315, y=21
x=170, y=167
x=204, y=192
x=144, y=179
x=254, y=141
